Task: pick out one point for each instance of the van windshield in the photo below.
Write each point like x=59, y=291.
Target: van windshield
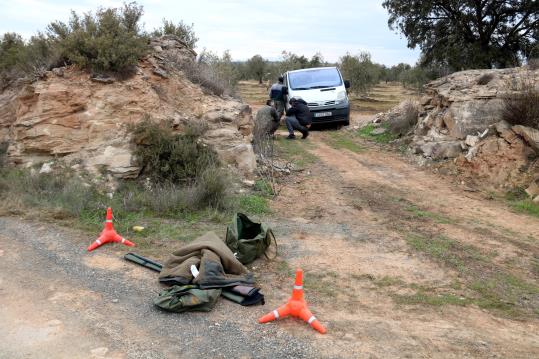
x=312, y=79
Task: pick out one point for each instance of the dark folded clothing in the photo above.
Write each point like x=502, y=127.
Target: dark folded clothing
x=244, y=295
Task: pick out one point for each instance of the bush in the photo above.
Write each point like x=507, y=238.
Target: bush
x=183, y=31
x=199, y=74
x=521, y=107
x=110, y=40
x=218, y=75
x=160, y=199
x=406, y=119
x=19, y=59
x=485, y=79
x=256, y=67
x=172, y=158
x=72, y=196
x=3, y=154
x=360, y=70
x=210, y=190
x=58, y=191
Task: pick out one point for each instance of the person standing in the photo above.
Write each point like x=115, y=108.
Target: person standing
x=298, y=117
x=277, y=96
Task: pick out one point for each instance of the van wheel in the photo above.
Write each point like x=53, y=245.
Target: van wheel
x=346, y=123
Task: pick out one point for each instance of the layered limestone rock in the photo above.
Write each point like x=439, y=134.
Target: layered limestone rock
x=460, y=118
x=67, y=116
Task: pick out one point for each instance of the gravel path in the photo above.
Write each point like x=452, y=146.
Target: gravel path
x=60, y=301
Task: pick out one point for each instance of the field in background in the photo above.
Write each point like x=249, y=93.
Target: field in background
x=381, y=98
x=253, y=93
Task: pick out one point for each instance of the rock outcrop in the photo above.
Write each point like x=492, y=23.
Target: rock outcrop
x=460, y=118
x=83, y=120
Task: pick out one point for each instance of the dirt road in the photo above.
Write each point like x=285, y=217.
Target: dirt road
x=418, y=266
x=398, y=262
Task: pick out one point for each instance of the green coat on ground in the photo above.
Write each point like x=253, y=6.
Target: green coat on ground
x=217, y=265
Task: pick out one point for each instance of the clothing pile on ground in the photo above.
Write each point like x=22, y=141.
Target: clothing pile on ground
x=207, y=268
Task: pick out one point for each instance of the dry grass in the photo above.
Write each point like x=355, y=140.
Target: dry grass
x=253, y=93
x=521, y=107
x=381, y=98
x=485, y=79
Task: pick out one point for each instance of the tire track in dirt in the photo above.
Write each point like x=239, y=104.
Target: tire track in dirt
x=365, y=193
x=374, y=167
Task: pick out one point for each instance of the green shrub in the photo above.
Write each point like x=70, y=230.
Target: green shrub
x=31, y=59
x=360, y=70
x=172, y=158
x=253, y=204
x=367, y=132
x=110, y=40
x=183, y=31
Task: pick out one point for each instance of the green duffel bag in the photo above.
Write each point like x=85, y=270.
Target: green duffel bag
x=187, y=298
x=249, y=240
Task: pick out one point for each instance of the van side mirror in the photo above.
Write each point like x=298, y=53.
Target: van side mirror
x=285, y=90
x=346, y=84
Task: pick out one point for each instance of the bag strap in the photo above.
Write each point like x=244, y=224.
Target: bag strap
x=268, y=234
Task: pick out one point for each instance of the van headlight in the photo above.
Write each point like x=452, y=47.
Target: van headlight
x=341, y=98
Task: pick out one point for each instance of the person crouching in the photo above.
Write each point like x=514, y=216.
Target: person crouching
x=298, y=117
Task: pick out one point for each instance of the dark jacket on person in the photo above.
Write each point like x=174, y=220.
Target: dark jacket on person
x=301, y=111
x=276, y=92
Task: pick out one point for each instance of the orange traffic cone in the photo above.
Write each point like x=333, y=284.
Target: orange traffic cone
x=109, y=234
x=296, y=307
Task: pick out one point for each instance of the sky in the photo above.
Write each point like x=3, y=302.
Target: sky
x=246, y=27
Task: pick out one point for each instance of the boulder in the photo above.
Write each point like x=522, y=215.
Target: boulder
x=401, y=119
x=441, y=150
x=468, y=103
x=495, y=163
x=460, y=117
x=469, y=117
x=530, y=135
x=58, y=71
x=379, y=131
x=116, y=160
x=502, y=126
x=86, y=121
x=471, y=140
x=533, y=189
x=46, y=168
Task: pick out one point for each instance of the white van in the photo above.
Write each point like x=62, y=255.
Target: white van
x=324, y=90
